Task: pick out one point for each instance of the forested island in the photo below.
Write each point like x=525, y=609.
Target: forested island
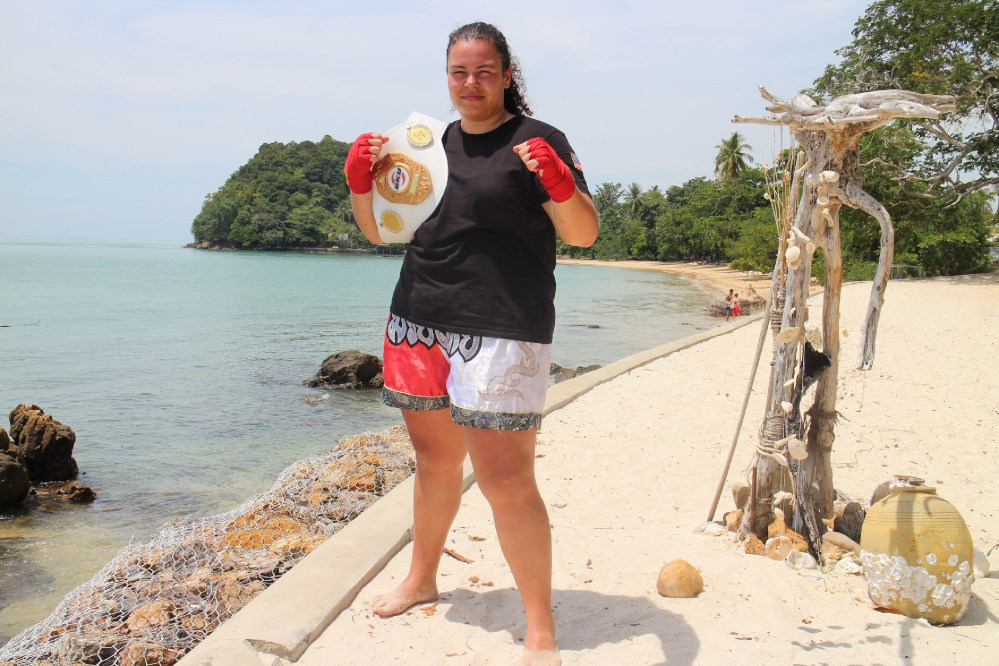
x=937, y=179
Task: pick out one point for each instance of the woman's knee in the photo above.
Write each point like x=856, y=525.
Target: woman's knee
x=437, y=441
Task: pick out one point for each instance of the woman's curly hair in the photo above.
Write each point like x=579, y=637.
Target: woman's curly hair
x=514, y=99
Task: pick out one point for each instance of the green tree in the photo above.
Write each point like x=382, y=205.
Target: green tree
x=633, y=200
x=732, y=158
x=947, y=47
x=286, y=196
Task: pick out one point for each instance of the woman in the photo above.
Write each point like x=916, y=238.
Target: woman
x=468, y=342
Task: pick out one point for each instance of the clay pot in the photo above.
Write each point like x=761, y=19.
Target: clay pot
x=918, y=555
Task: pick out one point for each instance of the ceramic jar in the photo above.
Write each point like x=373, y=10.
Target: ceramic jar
x=918, y=555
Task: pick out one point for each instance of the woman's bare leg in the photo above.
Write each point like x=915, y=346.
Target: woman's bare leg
x=504, y=471
x=440, y=454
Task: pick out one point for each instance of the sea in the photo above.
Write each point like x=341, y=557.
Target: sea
x=182, y=373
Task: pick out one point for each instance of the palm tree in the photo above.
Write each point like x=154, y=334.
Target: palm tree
x=633, y=199
x=731, y=159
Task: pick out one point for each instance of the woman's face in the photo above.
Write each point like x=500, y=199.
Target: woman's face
x=476, y=79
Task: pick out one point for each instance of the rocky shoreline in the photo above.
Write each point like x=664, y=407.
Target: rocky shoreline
x=155, y=601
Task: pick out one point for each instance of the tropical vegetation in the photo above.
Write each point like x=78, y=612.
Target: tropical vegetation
x=936, y=178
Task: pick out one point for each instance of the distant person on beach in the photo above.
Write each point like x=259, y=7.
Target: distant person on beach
x=736, y=310
x=728, y=304
x=468, y=342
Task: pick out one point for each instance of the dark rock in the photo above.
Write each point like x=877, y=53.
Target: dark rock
x=77, y=492
x=6, y=445
x=349, y=369
x=849, y=519
x=559, y=373
x=15, y=483
x=45, y=445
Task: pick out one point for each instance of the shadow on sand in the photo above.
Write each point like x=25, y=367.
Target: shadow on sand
x=585, y=620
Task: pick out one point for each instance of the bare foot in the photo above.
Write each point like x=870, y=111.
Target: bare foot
x=539, y=658
x=402, y=598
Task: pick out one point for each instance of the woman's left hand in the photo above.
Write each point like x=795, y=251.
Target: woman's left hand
x=541, y=158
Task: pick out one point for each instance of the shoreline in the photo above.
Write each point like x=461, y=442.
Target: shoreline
x=718, y=276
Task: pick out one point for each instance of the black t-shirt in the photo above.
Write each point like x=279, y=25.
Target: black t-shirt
x=484, y=262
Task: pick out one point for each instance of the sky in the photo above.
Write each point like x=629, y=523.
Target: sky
x=117, y=118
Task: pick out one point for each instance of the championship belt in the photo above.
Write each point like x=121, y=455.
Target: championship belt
x=409, y=180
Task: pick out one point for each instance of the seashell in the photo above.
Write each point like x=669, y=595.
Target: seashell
x=830, y=176
x=789, y=334
x=982, y=566
x=786, y=406
x=778, y=548
x=813, y=334
x=800, y=234
x=711, y=528
x=792, y=254
x=800, y=560
x=779, y=497
x=781, y=460
x=822, y=200
x=789, y=383
x=849, y=566
x=797, y=449
x=781, y=442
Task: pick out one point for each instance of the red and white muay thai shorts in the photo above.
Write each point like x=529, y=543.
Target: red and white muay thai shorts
x=486, y=382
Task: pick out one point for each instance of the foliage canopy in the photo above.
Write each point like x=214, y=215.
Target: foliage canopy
x=286, y=196
x=948, y=47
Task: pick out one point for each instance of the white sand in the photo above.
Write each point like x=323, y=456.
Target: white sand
x=629, y=471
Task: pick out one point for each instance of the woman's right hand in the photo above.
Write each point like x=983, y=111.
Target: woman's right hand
x=365, y=151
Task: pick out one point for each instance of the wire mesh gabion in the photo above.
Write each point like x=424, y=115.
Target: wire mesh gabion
x=153, y=602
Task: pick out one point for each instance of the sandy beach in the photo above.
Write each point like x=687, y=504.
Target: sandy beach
x=629, y=471
x=718, y=276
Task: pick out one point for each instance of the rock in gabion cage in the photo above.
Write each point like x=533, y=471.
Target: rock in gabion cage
x=155, y=601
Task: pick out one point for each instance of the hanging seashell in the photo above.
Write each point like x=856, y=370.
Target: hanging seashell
x=814, y=335
x=789, y=383
x=800, y=234
x=786, y=406
x=789, y=334
x=779, y=458
x=830, y=176
x=797, y=449
x=822, y=200
x=781, y=442
x=779, y=497
x=792, y=254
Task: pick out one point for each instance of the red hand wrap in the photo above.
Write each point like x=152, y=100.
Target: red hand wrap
x=552, y=171
x=357, y=166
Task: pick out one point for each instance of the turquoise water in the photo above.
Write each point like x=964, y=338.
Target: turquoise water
x=182, y=372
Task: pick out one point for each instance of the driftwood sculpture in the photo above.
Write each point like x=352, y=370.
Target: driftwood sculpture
x=827, y=175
